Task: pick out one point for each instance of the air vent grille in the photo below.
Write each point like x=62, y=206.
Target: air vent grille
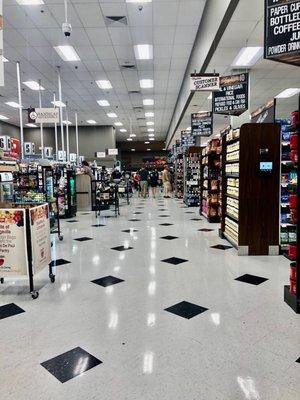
x=116, y=20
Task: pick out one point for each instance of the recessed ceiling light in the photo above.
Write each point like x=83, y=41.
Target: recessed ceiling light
x=132, y=135
x=112, y=115
x=288, y=93
x=148, y=102
x=149, y=114
x=118, y=124
x=91, y=121
x=103, y=103
x=30, y=2
x=148, y=149
x=132, y=149
x=143, y=51
x=210, y=96
x=31, y=125
x=151, y=135
x=13, y=104
x=58, y=103
x=146, y=83
x=123, y=130
x=147, y=142
x=67, y=53
x=3, y=118
x=33, y=85
x=150, y=130
x=4, y=59
x=104, y=84
x=67, y=122
x=129, y=139
x=151, y=139
x=150, y=123
x=248, y=56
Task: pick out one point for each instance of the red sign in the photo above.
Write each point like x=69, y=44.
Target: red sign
x=15, y=150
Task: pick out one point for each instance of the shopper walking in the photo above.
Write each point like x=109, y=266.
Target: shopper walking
x=153, y=179
x=136, y=181
x=166, y=178
x=144, y=174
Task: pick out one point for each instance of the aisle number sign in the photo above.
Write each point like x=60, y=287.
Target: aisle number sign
x=282, y=31
x=202, y=123
x=204, y=82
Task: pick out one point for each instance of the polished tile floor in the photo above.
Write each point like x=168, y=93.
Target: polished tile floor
x=149, y=308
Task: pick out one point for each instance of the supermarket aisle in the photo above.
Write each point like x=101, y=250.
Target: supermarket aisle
x=116, y=308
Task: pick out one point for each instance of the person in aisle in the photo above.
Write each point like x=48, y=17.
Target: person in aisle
x=166, y=178
x=144, y=174
x=136, y=181
x=86, y=169
x=153, y=180
x=116, y=175
x=103, y=174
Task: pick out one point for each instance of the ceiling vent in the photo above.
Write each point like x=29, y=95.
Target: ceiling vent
x=116, y=20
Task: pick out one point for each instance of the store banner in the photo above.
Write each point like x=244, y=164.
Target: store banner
x=265, y=114
x=1, y=45
x=204, y=82
x=44, y=115
x=282, y=31
x=202, y=123
x=13, y=250
x=40, y=237
x=232, y=99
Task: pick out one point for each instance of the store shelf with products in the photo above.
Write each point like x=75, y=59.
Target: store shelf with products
x=192, y=176
x=250, y=173
x=179, y=176
x=210, y=199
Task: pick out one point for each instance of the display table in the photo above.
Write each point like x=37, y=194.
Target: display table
x=25, y=244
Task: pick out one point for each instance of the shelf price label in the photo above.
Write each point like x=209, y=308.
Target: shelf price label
x=202, y=123
x=282, y=31
x=232, y=99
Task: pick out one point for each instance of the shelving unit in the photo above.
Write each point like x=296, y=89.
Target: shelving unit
x=179, y=176
x=192, y=176
x=210, y=200
x=250, y=192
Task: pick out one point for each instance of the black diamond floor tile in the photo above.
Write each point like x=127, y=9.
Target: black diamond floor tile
x=86, y=213
x=205, y=230
x=98, y=225
x=164, y=216
x=83, y=239
x=189, y=212
x=134, y=220
x=137, y=213
x=196, y=219
x=121, y=248
x=9, y=310
x=251, y=279
x=166, y=224
x=107, y=281
x=186, y=310
x=58, y=262
x=298, y=361
x=72, y=221
x=70, y=364
x=169, y=237
x=221, y=247
x=162, y=209
x=140, y=208
x=130, y=230
x=174, y=260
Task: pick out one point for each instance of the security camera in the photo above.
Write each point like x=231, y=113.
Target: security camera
x=140, y=8
x=67, y=29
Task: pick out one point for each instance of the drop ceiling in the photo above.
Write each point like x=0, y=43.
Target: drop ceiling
x=105, y=46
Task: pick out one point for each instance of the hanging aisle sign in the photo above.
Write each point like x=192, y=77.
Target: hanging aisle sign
x=204, y=82
x=44, y=115
x=187, y=140
x=282, y=31
x=202, y=123
x=264, y=114
x=232, y=99
x=1, y=45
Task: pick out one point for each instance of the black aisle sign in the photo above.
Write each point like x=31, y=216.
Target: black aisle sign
x=282, y=31
x=265, y=113
x=202, y=123
x=187, y=139
x=232, y=99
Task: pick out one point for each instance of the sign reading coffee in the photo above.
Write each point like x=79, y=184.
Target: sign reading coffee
x=282, y=31
x=202, y=123
x=204, y=82
x=232, y=99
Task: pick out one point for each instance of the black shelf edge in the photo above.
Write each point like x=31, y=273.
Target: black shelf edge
x=233, y=218
x=291, y=299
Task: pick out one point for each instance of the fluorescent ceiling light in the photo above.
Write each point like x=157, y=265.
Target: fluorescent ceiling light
x=150, y=123
x=112, y=115
x=151, y=134
x=3, y=118
x=148, y=149
x=210, y=97
x=129, y=139
x=288, y=93
x=118, y=124
x=104, y=84
x=150, y=130
x=4, y=59
x=30, y=2
x=149, y=114
x=152, y=138
x=91, y=121
x=33, y=85
x=148, y=102
x=103, y=103
x=67, y=122
x=132, y=149
x=67, y=53
x=248, y=56
x=58, y=103
x=147, y=142
x=143, y=51
x=31, y=125
x=146, y=83
x=123, y=130
x=132, y=135
x=13, y=104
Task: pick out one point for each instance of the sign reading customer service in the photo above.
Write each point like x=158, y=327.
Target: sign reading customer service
x=44, y=115
x=282, y=31
x=232, y=99
x=204, y=82
x=202, y=123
